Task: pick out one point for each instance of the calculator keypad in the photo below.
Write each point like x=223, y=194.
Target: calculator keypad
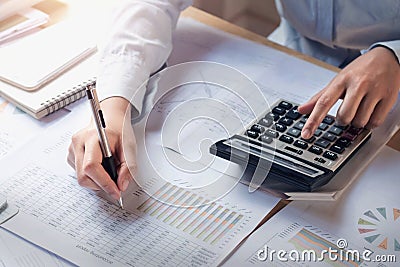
x=281, y=127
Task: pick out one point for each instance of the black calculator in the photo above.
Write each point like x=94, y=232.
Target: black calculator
x=294, y=163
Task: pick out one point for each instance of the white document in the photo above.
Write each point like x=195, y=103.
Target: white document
x=278, y=75
x=191, y=108
x=17, y=252
x=365, y=218
x=18, y=127
x=93, y=231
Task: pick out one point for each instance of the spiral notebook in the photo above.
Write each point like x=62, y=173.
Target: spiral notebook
x=62, y=91
x=45, y=72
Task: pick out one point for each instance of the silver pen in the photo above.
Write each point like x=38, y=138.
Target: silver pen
x=108, y=159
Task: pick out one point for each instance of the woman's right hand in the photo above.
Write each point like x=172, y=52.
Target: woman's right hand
x=85, y=156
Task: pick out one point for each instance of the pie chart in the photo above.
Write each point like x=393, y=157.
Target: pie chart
x=380, y=227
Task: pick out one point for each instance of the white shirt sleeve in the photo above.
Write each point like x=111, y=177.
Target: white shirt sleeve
x=138, y=43
x=392, y=45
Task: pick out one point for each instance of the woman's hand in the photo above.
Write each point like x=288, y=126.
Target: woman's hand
x=369, y=86
x=85, y=155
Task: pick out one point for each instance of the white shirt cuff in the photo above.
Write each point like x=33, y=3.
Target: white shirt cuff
x=132, y=77
x=392, y=45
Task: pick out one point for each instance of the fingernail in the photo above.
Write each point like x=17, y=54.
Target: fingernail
x=306, y=133
x=125, y=184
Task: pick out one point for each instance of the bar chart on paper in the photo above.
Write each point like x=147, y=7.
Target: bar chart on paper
x=193, y=214
x=98, y=231
x=311, y=238
x=155, y=234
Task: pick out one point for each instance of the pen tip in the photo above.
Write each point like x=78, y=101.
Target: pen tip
x=120, y=203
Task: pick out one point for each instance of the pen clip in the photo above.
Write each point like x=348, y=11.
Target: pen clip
x=98, y=120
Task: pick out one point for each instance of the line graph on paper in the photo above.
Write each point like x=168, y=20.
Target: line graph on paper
x=235, y=106
x=210, y=223
x=185, y=122
x=193, y=116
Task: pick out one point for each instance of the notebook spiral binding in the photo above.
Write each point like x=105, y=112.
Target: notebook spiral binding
x=68, y=97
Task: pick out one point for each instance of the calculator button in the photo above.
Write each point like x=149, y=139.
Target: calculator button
x=303, y=119
x=335, y=130
x=330, y=137
x=272, y=116
x=271, y=133
x=266, y=122
x=315, y=149
x=286, y=121
x=285, y=105
x=299, y=125
x=328, y=120
x=320, y=160
x=337, y=149
x=343, y=127
x=309, y=140
x=252, y=134
x=257, y=128
x=349, y=136
x=293, y=114
x=286, y=139
x=317, y=132
x=278, y=110
x=323, y=126
x=355, y=131
x=301, y=144
x=265, y=139
x=322, y=143
x=343, y=142
x=291, y=149
x=280, y=127
x=330, y=155
x=294, y=132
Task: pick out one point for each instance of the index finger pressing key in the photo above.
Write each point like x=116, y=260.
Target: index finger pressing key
x=321, y=108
